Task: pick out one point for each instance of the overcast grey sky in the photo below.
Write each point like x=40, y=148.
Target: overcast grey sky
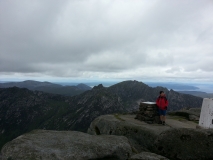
x=168, y=40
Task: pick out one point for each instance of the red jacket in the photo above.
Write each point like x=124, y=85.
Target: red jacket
x=162, y=102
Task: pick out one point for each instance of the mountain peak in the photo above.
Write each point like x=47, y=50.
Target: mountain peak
x=100, y=86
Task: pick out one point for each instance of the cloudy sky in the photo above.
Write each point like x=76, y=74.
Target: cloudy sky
x=106, y=40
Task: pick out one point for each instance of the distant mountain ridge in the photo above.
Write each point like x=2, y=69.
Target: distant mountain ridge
x=198, y=94
x=48, y=87
x=22, y=110
x=29, y=84
x=174, y=86
x=133, y=92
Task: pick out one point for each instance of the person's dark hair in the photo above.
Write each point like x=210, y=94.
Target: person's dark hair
x=161, y=92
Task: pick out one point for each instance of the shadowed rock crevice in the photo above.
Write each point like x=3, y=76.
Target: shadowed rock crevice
x=97, y=131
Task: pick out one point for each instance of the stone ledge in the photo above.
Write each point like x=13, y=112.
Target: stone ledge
x=164, y=140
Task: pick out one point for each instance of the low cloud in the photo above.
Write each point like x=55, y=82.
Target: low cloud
x=113, y=39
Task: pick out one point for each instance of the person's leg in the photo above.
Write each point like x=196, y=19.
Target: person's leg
x=164, y=117
x=161, y=118
x=161, y=115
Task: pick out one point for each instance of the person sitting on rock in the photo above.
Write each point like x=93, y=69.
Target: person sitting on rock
x=162, y=104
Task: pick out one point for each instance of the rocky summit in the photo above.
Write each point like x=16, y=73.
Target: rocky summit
x=178, y=139
x=116, y=137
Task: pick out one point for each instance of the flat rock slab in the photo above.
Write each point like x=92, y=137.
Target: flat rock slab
x=179, y=122
x=171, y=122
x=66, y=145
x=147, y=156
x=156, y=128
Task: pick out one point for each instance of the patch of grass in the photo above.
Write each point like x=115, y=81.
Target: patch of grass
x=134, y=150
x=179, y=118
x=181, y=114
x=197, y=122
x=117, y=117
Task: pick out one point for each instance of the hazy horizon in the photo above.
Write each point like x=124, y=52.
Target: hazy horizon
x=177, y=86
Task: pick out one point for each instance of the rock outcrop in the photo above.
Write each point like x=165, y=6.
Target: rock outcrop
x=177, y=140
x=140, y=134
x=148, y=112
x=66, y=145
x=184, y=143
